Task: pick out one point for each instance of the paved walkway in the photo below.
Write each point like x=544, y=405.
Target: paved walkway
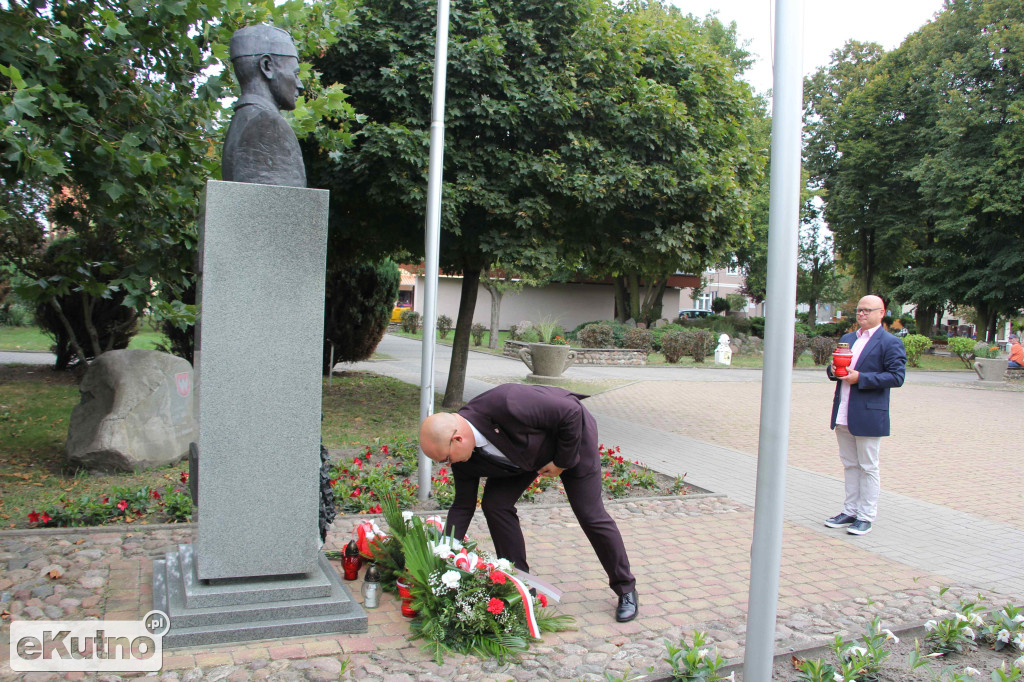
x=691, y=556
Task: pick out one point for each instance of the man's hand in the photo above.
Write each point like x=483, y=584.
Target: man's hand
x=850, y=378
x=550, y=470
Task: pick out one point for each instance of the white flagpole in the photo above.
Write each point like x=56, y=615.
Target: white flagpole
x=433, y=234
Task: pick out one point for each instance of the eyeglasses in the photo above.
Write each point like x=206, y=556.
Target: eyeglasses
x=865, y=311
x=451, y=442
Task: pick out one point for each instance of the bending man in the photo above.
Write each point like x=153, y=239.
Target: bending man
x=510, y=435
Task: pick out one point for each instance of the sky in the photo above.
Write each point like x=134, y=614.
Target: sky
x=828, y=24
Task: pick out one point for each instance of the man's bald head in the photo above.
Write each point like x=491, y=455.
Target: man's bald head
x=870, y=311
x=446, y=437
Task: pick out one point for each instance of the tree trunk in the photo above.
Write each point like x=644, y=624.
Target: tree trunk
x=652, y=305
x=633, y=280
x=90, y=326
x=460, y=344
x=924, y=317
x=495, y=315
x=55, y=304
x=621, y=300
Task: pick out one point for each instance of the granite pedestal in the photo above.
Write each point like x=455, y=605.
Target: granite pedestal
x=255, y=569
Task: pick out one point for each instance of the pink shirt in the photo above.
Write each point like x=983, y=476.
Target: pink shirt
x=863, y=336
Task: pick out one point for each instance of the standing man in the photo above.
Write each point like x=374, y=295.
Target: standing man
x=510, y=435
x=860, y=412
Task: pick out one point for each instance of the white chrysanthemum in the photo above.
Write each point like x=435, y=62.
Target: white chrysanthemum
x=1019, y=640
x=961, y=617
x=969, y=632
x=929, y=626
x=836, y=677
x=701, y=654
x=503, y=564
x=1019, y=663
x=1003, y=635
x=973, y=672
x=888, y=635
x=451, y=579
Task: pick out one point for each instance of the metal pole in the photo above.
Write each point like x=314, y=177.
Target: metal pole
x=330, y=372
x=433, y=235
x=783, y=224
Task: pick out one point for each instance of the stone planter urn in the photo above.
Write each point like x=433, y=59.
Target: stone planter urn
x=990, y=369
x=547, y=360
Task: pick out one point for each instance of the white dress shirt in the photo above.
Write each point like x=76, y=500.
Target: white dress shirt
x=863, y=336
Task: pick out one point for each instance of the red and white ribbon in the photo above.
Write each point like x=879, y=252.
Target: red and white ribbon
x=531, y=617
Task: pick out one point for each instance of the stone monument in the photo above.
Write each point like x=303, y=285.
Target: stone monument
x=255, y=570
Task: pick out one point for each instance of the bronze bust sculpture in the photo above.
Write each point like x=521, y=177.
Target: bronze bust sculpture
x=260, y=145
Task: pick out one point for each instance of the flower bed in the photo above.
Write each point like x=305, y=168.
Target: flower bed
x=603, y=357
x=121, y=505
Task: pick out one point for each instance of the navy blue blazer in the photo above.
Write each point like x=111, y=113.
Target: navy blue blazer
x=881, y=366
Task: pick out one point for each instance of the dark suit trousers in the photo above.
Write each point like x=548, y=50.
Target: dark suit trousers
x=583, y=489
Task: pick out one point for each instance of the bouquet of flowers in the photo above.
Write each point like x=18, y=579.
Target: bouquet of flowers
x=467, y=602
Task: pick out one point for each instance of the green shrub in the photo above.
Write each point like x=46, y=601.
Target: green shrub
x=358, y=301
x=444, y=325
x=410, y=321
x=833, y=329
x=181, y=339
x=641, y=339
x=530, y=336
x=800, y=343
x=737, y=302
x=516, y=331
x=963, y=348
x=15, y=314
x=700, y=342
x=477, y=331
x=115, y=323
x=756, y=326
x=674, y=344
x=659, y=332
x=720, y=305
x=915, y=345
x=983, y=350
x=548, y=328
x=821, y=349
x=596, y=335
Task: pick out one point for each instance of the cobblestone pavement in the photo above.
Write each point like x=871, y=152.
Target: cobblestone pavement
x=690, y=557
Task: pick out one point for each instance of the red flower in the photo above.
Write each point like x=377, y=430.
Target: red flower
x=33, y=517
x=356, y=493
x=495, y=606
x=184, y=477
x=497, y=577
x=384, y=449
x=359, y=463
x=122, y=505
x=543, y=600
x=375, y=510
x=333, y=482
x=106, y=500
x=46, y=518
x=154, y=494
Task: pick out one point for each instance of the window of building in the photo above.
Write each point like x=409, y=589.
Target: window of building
x=733, y=269
x=704, y=301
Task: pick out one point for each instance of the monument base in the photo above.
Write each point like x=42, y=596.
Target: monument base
x=247, y=609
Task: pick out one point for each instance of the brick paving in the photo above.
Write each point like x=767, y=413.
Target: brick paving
x=948, y=464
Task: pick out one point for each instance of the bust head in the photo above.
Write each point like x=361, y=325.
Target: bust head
x=266, y=64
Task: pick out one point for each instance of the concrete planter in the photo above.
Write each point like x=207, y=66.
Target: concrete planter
x=547, y=360
x=990, y=369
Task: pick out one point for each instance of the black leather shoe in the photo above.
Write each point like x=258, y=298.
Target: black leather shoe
x=628, y=607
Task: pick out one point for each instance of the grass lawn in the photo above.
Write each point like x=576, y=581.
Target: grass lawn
x=36, y=403
x=32, y=338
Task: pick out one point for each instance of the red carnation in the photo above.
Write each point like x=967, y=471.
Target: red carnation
x=106, y=500
x=46, y=518
x=384, y=449
x=376, y=510
x=497, y=577
x=33, y=517
x=495, y=606
x=543, y=600
x=154, y=494
x=184, y=477
x=122, y=505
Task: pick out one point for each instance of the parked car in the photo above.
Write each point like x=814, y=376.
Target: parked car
x=396, y=312
x=694, y=313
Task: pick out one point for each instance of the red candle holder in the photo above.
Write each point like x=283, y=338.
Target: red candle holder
x=350, y=561
x=842, y=356
x=403, y=591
